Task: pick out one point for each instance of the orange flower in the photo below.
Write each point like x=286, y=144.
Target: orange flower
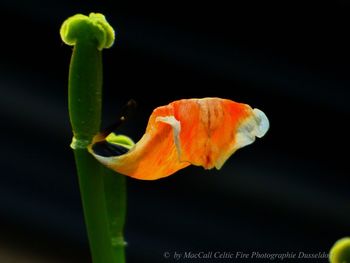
x=203, y=132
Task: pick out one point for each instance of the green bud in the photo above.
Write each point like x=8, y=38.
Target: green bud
x=340, y=252
x=93, y=27
x=122, y=140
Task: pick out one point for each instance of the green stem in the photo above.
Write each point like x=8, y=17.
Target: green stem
x=93, y=200
x=115, y=189
x=85, y=90
x=103, y=193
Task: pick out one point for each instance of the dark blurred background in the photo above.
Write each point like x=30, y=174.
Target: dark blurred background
x=288, y=192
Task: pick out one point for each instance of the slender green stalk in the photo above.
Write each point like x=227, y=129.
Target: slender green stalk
x=92, y=195
x=102, y=192
x=115, y=189
x=85, y=90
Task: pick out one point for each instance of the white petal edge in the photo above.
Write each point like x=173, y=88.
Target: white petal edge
x=176, y=125
x=255, y=126
x=262, y=121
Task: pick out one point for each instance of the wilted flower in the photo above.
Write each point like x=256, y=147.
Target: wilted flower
x=203, y=132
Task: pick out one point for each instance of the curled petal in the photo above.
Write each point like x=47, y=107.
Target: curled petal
x=203, y=132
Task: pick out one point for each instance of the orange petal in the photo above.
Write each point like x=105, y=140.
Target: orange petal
x=212, y=129
x=203, y=132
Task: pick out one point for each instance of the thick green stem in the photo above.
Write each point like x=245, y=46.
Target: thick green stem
x=93, y=199
x=85, y=90
x=115, y=189
x=102, y=193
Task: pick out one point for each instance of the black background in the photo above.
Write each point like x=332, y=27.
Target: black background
x=288, y=192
